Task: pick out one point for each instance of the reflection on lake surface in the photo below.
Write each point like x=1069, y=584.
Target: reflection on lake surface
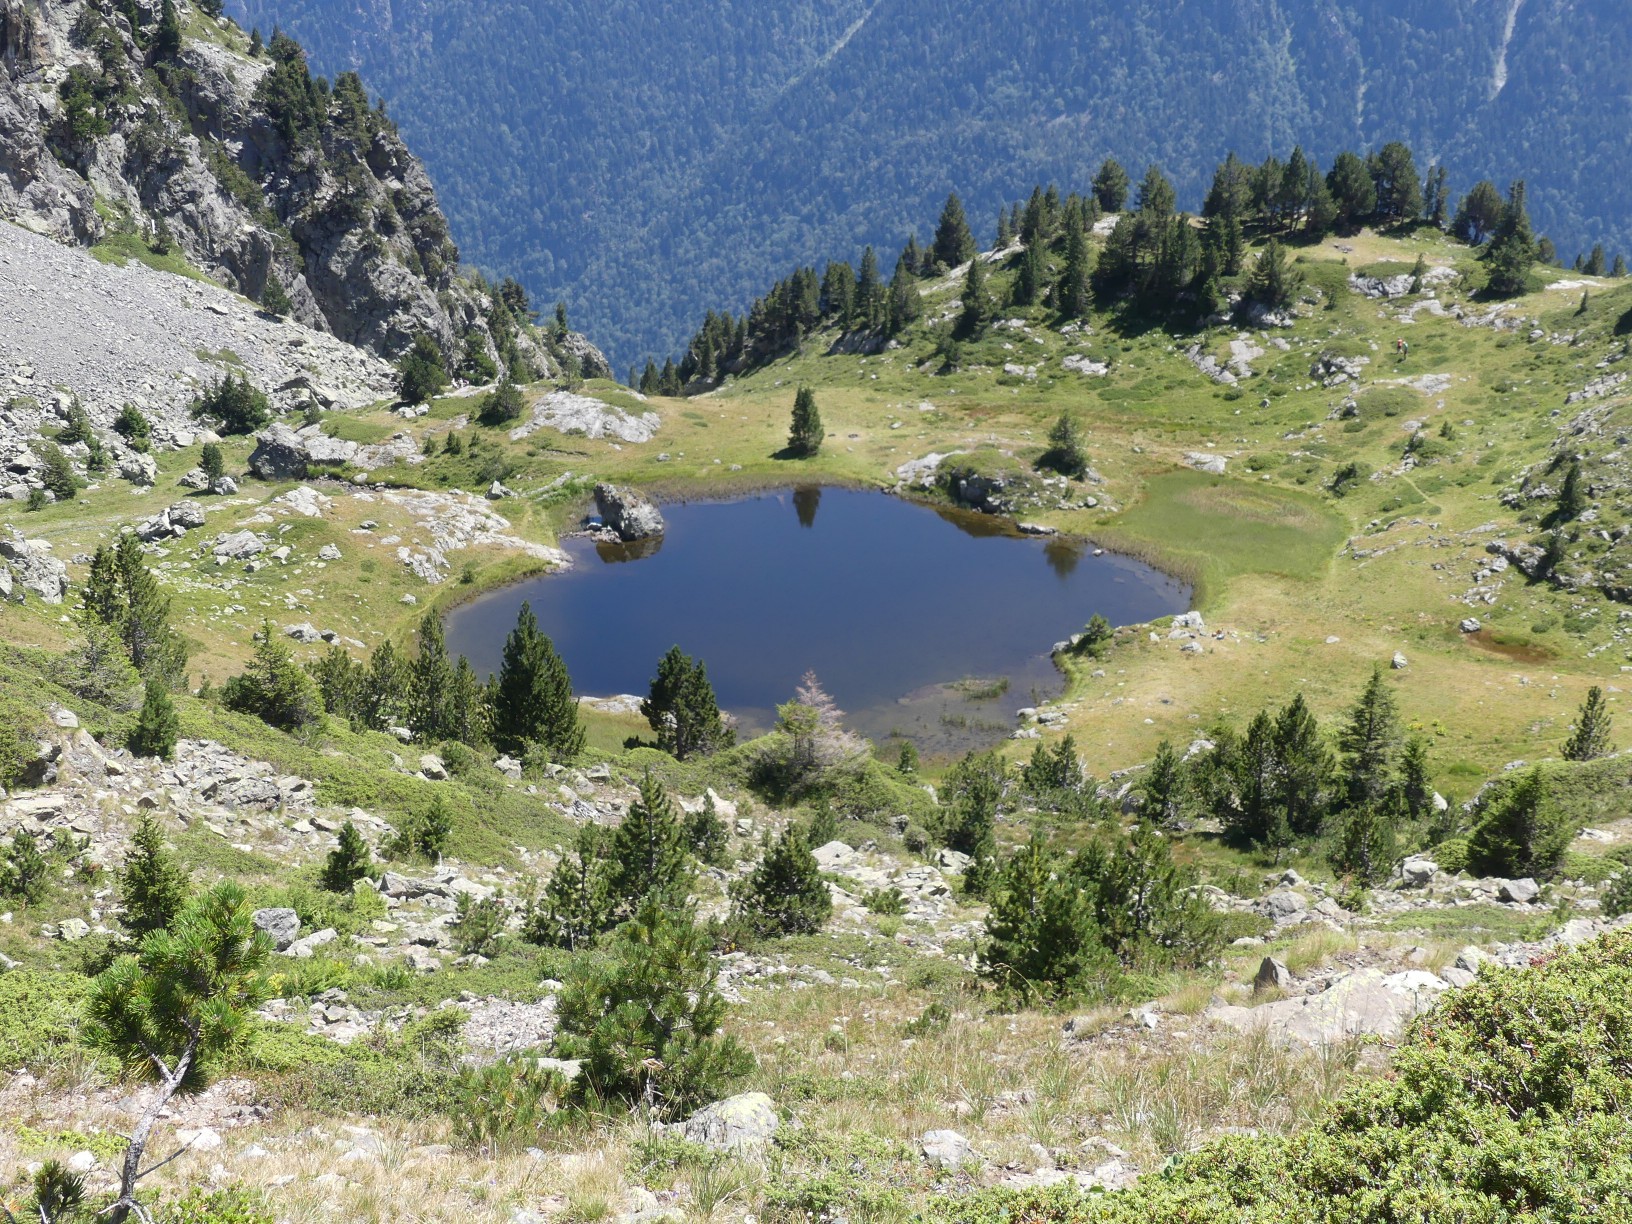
x=888, y=601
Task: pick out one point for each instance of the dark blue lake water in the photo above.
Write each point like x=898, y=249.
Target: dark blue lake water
x=897, y=607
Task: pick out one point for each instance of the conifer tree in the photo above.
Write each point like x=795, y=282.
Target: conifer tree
x=274, y=687
x=1111, y=185
x=1040, y=936
x=1521, y=833
x=976, y=300
x=153, y=887
x=23, y=870
x=805, y=434
x=1366, y=841
x=1572, y=495
x=1590, y=738
x=645, y=1019
x=1595, y=265
x=954, y=242
x=233, y=405
x=123, y=594
x=784, y=894
x=974, y=791
x=1479, y=213
x=532, y=699
x=1275, y=282
x=1618, y=269
x=503, y=404
x=1397, y=183
x=649, y=852
x=706, y=835
x=1157, y=197
x=1354, y=194
x=421, y=371
x=682, y=709
x=157, y=726
x=1512, y=250
x=173, y=1011
x=1065, y=452
x=384, y=695
x=211, y=460
x=274, y=297
x=1370, y=740
x=1074, y=293
x=348, y=862
x=576, y=908
x=1164, y=786
x=430, y=684
x=904, y=303
x=870, y=302
x=839, y=292
x=1031, y=281
x=1416, y=790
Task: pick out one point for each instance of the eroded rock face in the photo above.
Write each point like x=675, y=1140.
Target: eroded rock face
x=627, y=512
x=31, y=566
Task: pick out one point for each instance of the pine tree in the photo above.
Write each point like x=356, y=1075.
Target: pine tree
x=784, y=894
x=430, y=685
x=1073, y=293
x=681, y=707
x=57, y=472
x=153, y=887
x=273, y=687
x=1147, y=909
x=1595, y=265
x=1479, y=213
x=954, y=242
x=1275, y=282
x=167, y=39
x=1065, y=452
x=706, y=835
x=1157, y=198
x=233, y=405
x=421, y=372
x=212, y=461
x=1164, y=786
x=1031, y=281
x=976, y=300
x=1522, y=832
x=23, y=870
x=532, y=699
x=649, y=852
x=1512, y=249
x=1416, y=790
x=805, y=435
x=905, y=304
x=1590, y=738
x=157, y=726
x=576, y=908
x=123, y=594
x=839, y=292
x=348, y=862
x=906, y=761
x=1354, y=194
x=503, y=404
x=1366, y=842
x=1572, y=495
x=274, y=297
x=1398, y=185
x=174, y=1010
x=1111, y=185
x=869, y=291
x=1371, y=743
x=1618, y=268
x=645, y=1018
x=1306, y=768
x=384, y=696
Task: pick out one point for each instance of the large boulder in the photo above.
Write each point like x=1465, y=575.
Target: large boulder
x=280, y=925
x=1365, y=1003
x=30, y=562
x=282, y=453
x=743, y=1124
x=627, y=512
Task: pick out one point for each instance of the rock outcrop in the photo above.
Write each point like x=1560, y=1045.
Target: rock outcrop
x=627, y=513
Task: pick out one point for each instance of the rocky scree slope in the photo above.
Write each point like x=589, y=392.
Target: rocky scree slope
x=236, y=159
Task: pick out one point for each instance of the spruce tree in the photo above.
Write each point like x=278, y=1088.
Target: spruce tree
x=153, y=887
x=1416, y=790
x=430, y=685
x=532, y=699
x=805, y=434
x=1111, y=185
x=784, y=894
x=954, y=242
x=1590, y=738
x=157, y=726
x=649, y=853
x=904, y=302
x=348, y=862
x=1370, y=740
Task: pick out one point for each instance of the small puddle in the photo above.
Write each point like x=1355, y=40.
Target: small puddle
x=932, y=624
x=1518, y=652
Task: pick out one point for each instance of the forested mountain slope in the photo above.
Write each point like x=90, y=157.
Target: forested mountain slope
x=641, y=158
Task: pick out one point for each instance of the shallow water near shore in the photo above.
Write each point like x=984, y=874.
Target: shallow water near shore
x=928, y=623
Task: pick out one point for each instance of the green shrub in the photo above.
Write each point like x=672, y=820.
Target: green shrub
x=1451, y=855
x=23, y=869
x=1509, y=1101
x=507, y=1106
x=228, y=1205
x=478, y=924
x=885, y=901
x=1588, y=868
x=1617, y=898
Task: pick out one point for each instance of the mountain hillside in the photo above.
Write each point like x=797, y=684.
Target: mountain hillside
x=640, y=159
x=158, y=133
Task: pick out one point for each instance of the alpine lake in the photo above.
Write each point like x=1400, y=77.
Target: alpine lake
x=922, y=622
